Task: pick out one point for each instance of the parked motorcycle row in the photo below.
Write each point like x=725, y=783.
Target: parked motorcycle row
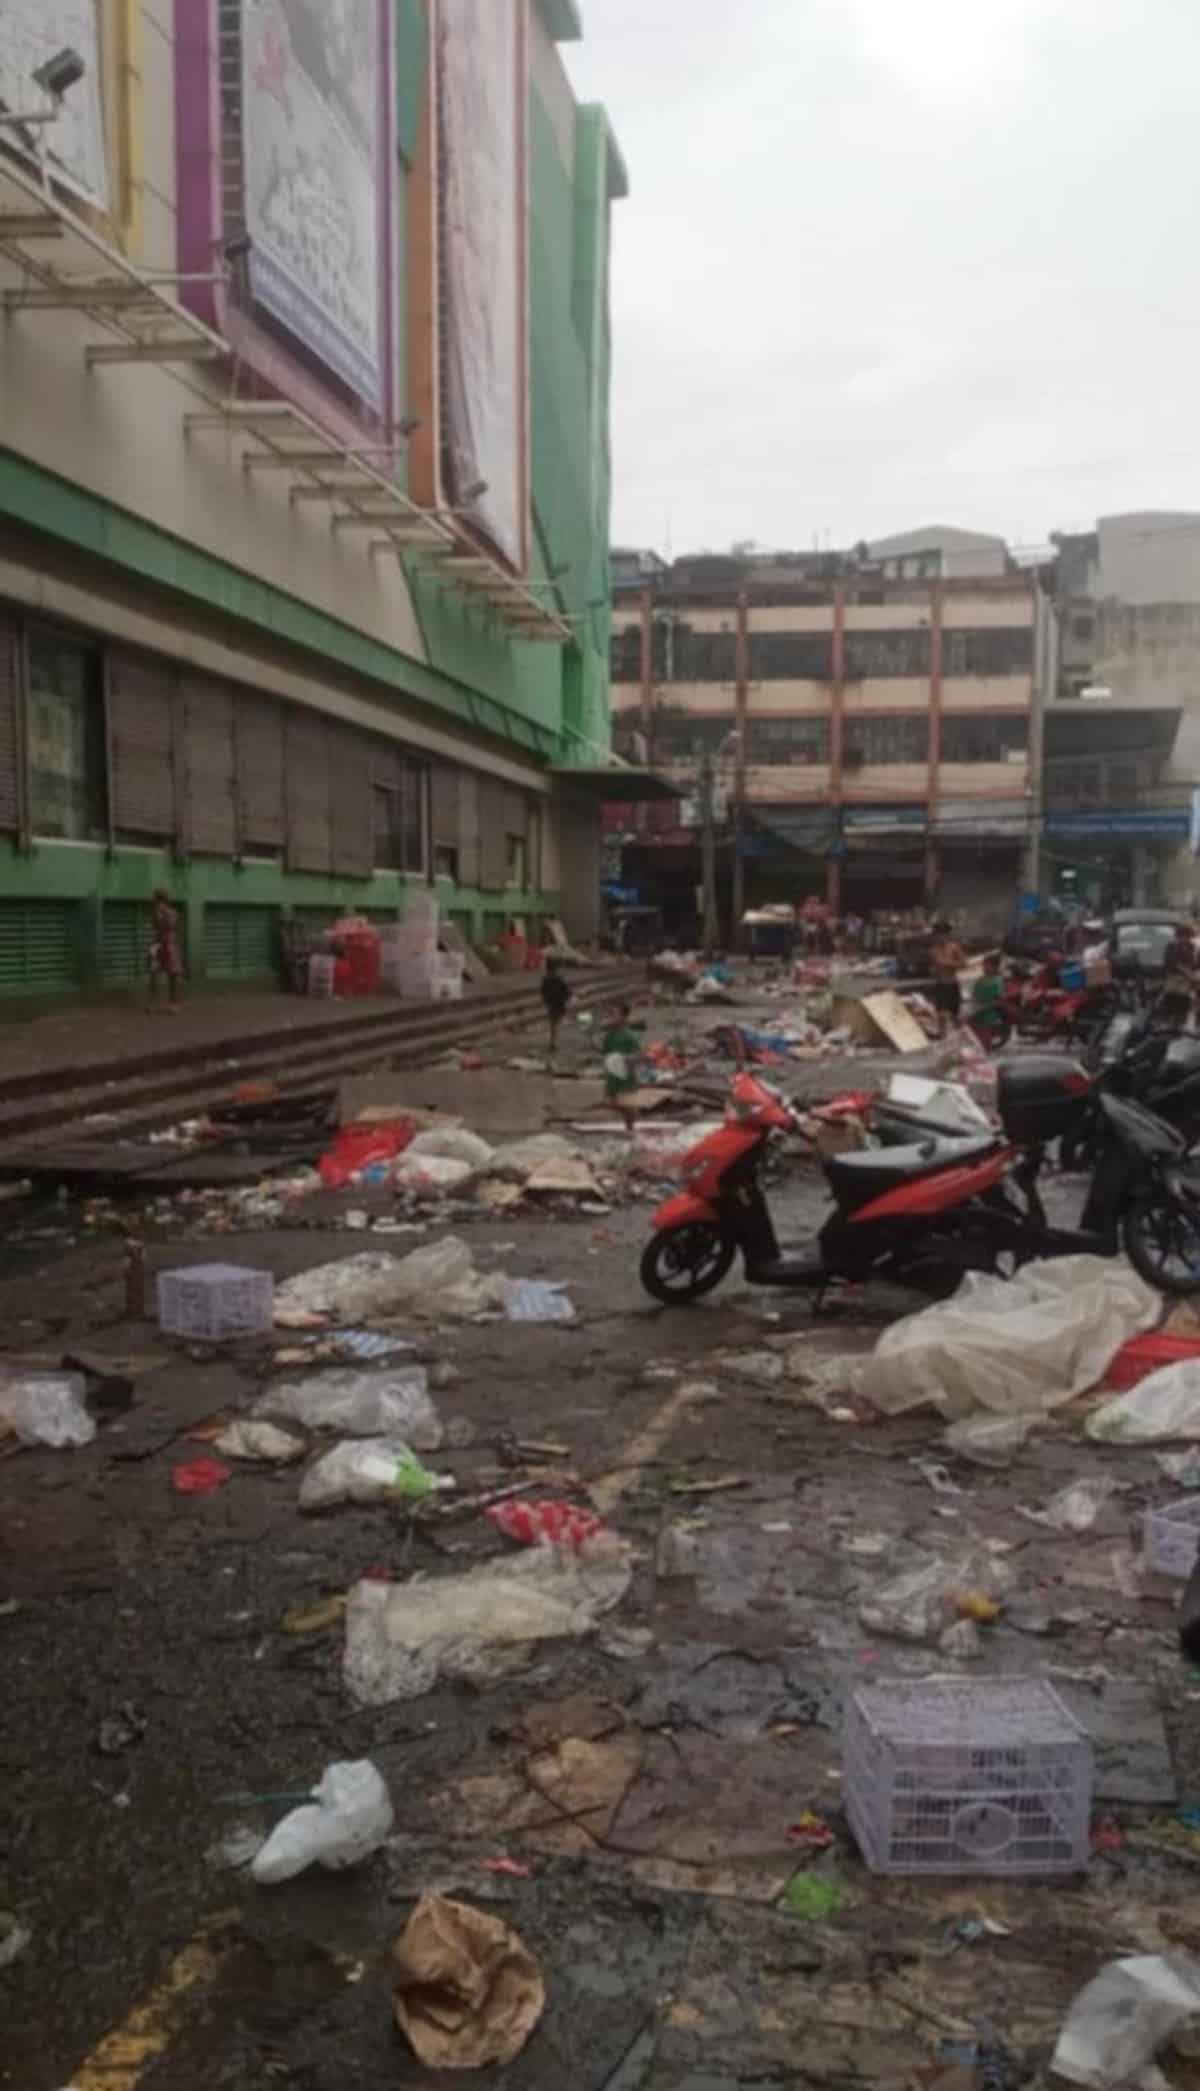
x=924, y=1202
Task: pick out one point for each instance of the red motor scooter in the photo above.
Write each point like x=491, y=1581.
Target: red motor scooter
x=919, y=1214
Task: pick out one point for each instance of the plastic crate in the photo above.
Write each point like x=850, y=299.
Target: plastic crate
x=965, y=1777
x=1171, y=1538
x=214, y=1300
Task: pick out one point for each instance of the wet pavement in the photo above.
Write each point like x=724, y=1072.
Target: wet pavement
x=662, y=1780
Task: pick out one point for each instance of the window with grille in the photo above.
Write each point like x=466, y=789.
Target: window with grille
x=678, y=736
x=791, y=656
x=983, y=736
x=68, y=770
x=788, y=741
x=884, y=740
x=870, y=654
x=1006, y=650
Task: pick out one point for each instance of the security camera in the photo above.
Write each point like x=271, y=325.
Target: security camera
x=59, y=73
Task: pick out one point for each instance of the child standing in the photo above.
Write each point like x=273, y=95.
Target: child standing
x=620, y=1046
x=556, y=995
x=164, y=951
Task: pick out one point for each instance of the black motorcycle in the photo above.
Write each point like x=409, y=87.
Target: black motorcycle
x=1144, y=1060
x=1146, y=1176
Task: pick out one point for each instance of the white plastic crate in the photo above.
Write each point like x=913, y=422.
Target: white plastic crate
x=214, y=1300
x=952, y=1776
x=1171, y=1538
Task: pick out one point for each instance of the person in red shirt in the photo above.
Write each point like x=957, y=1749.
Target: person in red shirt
x=165, y=957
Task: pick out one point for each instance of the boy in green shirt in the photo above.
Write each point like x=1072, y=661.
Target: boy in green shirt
x=620, y=1046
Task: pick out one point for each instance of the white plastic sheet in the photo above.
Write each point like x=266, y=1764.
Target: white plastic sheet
x=1165, y=1405
x=1116, y=2025
x=1013, y=1346
x=47, y=1408
x=401, y=1637
x=350, y=1816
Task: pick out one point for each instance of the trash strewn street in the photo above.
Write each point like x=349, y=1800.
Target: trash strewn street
x=480, y=1665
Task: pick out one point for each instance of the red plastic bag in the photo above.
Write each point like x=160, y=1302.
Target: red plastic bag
x=545, y=1524
x=1143, y=1355
x=357, y=1146
x=200, y=1477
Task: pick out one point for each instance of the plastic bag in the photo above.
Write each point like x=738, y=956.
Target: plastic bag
x=375, y=1282
x=1116, y=2025
x=988, y=1441
x=1076, y=1507
x=454, y=1143
x=360, y=1404
x=920, y=1604
x=532, y=1299
x=1165, y=1406
x=358, y=1146
x=400, y=1638
x=366, y=1470
x=262, y=1441
x=520, y=1158
x=467, y=1991
x=1015, y=1345
x=48, y=1409
x=431, y=1175
x=351, y=1817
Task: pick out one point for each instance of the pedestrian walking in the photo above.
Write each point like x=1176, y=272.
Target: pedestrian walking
x=165, y=961
x=556, y=996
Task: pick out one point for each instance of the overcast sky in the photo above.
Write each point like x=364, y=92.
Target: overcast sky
x=893, y=262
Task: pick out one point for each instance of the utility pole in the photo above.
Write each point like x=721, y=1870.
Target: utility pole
x=1045, y=683
x=711, y=930
x=741, y=702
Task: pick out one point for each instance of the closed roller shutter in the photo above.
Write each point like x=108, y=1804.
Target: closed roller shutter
x=141, y=695
x=468, y=829
x=516, y=813
x=493, y=851
x=309, y=846
x=10, y=739
x=209, y=829
x=39, y=946
x=126, y=937
x=446, y=806
x=240, y=943
x=258, y=731
x=351, y=810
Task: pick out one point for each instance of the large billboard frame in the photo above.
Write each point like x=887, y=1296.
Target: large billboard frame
x=73, y=149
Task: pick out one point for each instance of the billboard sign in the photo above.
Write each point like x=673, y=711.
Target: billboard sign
x=312, y=153
x=481, y=187
x=31, y=31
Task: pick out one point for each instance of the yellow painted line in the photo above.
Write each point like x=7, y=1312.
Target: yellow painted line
x=640, y=1450
x=124, y=2055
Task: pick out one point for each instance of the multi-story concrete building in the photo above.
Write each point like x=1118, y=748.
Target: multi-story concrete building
x=1121, y=725
x=304, y=478
x=871, y=733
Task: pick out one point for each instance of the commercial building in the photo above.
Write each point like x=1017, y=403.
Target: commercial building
x=304, y=473
x=869, y=731
x=1121, y=728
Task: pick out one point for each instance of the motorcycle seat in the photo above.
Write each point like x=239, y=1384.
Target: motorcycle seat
x=880, y=1167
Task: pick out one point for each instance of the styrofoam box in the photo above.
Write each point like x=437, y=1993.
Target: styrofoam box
x=214, y=1300
x=965, y=1776
x=1172, y=1538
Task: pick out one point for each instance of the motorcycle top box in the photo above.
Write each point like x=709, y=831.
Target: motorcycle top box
x=1040, y=1099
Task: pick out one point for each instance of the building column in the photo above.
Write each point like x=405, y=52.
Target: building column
x=837, y=735
x=933, y=861
x=741, y=705
x=647, y=666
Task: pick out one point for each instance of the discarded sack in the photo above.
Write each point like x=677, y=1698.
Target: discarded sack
x=467, y=1990
x=360, y=1404
x=545, y=1524
x=400, y=1638
x=455, y=1144
x=1162, y=1407
x=373, y=1281
x=1010, y=1345
x=431, y=1175
x=1116, y=2025
x=521, y=1158
x=367, y=1470
x=47, y=1409
x=350, y=1817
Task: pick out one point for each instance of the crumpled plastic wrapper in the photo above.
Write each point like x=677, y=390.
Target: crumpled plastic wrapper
x=467, y=1991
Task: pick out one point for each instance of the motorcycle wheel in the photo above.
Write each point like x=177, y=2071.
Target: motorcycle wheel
x=1162, y=1241
x=683, y=1263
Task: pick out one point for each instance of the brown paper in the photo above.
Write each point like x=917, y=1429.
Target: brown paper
x=468, y=1992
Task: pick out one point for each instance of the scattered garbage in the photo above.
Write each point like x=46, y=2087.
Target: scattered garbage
x=479, y=1626
x=1183, y=1468
x=261, y=1442
x=520, y=1159
x=1012, y=1345
x=979, y=1776
x=467, y=1992
x=438, y=1281
x=1143, y=1355
x=988, y=1441
x=1163, y=1406
x=813, y=1896
x=534, y=1299
x=47, y=1409
x=1172, y=1538
x=358, y=1146
x=350, y=1816
x=374, y=1404
x=315, y=1618
x=1116, y=2025
x=921, y=1603
x=367, y=1470
x=761, y=1368
x=453, y=1143
x=211, y=1302
x=1076, y=1507
x=14, y=1937
x=119, y=1731
x=200, y=1477
x=545, y=1524
x=431, y=1175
